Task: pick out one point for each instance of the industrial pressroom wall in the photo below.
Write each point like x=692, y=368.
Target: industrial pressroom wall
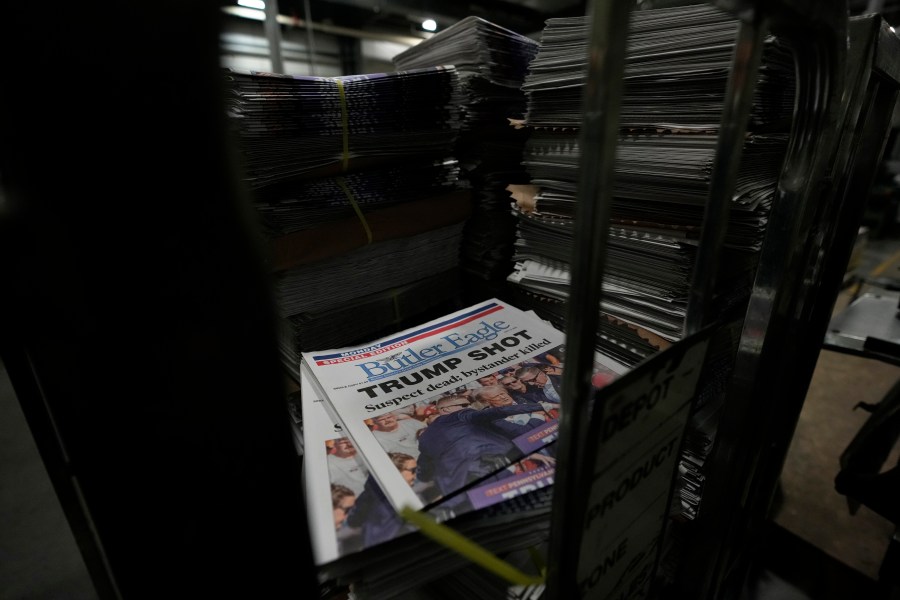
x=244, y=46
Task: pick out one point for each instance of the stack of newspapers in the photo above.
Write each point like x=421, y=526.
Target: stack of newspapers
x=295, y=126
x=676, y=75
x=492, y=62
x=454, y=419
x=676, y=71
x=356, y=188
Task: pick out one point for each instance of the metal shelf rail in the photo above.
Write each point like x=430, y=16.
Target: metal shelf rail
x=808, y=246
x=846, y=86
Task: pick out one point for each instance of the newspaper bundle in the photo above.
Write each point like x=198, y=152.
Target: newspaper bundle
x=434, y=393
x=454, y=417
x=348, y=512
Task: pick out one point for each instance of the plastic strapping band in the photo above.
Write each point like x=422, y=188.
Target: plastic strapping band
x=359, y=213
x=467, y=548
x=344, y=126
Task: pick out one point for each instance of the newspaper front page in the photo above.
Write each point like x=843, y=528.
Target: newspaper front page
x=465, y=396
x=349, y=514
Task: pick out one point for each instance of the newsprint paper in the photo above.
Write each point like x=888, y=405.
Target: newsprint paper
x=453, y=401
x=348, y=513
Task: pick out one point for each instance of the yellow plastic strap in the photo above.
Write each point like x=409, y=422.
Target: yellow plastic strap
x=344, y=126
x=469, y=549
x=359, y=213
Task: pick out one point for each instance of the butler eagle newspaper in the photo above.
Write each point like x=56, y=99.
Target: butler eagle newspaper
x=414, y=368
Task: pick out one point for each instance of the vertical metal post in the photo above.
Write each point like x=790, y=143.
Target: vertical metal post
x=729, y=148
x=310, y=41
x=772, y=366
x=874, y=6
x=63, y=477
x=598, y=139
x=273, y=33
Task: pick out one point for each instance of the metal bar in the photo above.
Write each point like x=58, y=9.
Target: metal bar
x=887, y=56
x=729, y=149
x=273, y=33
x=737, y=441
x=867, y=123
x=56, y=460
x=311, y=46
x=875, y=6
x=775, y=340
x=598, y=138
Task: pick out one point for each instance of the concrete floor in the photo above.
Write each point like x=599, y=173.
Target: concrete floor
x=811, y=507
x=40, y=560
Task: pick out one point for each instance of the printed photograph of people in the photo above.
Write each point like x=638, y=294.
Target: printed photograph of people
x=533, y=472
x=373, y=516
x=543, y=374
x=462, y=436
x=363, y=516
x=603, y=375
x=348, y=476
x=398, y=431
x=345, y=466
x=342, y=501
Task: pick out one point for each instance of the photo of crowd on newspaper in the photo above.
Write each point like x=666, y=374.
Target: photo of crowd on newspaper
x=464, y=449
x=364, y=517
x=465, y=434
